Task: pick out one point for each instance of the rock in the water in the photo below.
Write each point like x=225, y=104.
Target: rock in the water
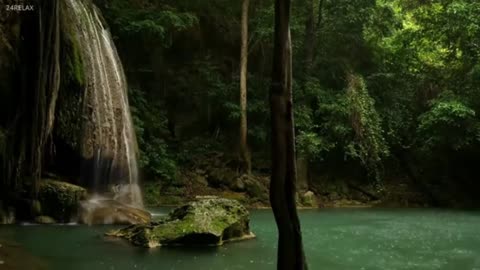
x=60, y=200
x=45, y=220
x=308, y=199
x=105, y=211
x=209, y=222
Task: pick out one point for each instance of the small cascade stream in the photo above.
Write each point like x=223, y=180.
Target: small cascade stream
x=108, y=139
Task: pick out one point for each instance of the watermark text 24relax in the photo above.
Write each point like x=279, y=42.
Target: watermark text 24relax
x=20, y=7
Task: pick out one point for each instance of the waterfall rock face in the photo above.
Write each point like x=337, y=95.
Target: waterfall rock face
x=107, y=143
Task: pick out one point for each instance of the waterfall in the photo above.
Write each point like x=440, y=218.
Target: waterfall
x=108, y=138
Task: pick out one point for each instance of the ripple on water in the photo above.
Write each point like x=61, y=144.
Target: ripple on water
x=340, y=239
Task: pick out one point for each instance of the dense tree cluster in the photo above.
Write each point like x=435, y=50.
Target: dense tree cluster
x=374, y=82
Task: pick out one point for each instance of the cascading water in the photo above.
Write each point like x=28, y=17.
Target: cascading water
x=108, y=139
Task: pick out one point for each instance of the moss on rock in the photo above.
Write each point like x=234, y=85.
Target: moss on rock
x=60, y=200
x=209, y=222
x=68, y=123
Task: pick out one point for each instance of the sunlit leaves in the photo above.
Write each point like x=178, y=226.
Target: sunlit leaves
x=449, y=124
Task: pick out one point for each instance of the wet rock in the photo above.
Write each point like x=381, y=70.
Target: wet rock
x=107, y=211
x=255, y=188
x=200, y=179
x=45, y=220
x=206, y=222
x=238, y=185
x=220, y=177
x=60, y=200
x=308, y=199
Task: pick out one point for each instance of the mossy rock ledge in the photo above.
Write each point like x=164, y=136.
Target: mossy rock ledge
x=205, y=222
x=60, y=200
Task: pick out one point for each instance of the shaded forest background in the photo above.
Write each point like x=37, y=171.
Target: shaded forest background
x=386, y=93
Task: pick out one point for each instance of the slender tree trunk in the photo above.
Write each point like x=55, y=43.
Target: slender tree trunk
x=311, y=31
x=309, y=35
x=244, y=151
x=282, y=186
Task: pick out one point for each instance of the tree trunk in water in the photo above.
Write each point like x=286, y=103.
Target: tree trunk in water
x=282, y=186
x=244, y=151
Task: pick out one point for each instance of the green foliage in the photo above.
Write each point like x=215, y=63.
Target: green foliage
x=313, y=145
x=419, y=59
x=369, y=144
x=155, y=157
x=450, y=124
x=148, y=19
x=151, y=193
x=324, y=126
x=74, y=62
x=342, y=122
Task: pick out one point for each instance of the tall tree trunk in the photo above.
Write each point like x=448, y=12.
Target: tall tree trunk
x=309, y=41
x=312, y=29
x=244, y=151
x=282, y=186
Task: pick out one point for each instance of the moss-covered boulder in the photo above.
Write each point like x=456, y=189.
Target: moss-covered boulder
x=60, y=200
x=308, y=199
x=206, y=222
x=106, y=211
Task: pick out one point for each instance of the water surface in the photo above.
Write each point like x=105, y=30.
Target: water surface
x=341, y=239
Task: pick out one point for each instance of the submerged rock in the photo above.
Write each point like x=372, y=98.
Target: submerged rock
x=60, y=200
x=107, y=211
x=208, y=222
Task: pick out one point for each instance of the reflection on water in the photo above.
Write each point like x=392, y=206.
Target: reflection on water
x=14, y=257
x=343, y=239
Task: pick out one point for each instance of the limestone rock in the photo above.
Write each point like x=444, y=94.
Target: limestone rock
x=206, y=222
x=107, y=211
x=256, y=188
x=308, y=199
x=60, y=200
